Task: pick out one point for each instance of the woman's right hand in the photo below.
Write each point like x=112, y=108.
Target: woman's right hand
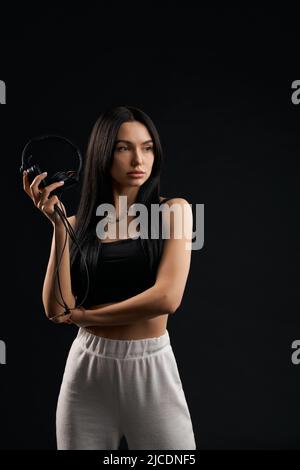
x=40, y=197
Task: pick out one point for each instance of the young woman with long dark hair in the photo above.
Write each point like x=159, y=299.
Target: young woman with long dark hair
x=121, y=376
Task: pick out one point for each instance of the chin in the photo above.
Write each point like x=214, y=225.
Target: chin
x=137, y=183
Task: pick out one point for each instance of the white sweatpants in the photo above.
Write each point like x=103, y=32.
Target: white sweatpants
x=114, y=388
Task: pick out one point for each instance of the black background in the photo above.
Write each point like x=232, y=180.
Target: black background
x=217, y=84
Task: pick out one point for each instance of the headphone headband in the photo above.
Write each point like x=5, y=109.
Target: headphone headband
x=51, y=137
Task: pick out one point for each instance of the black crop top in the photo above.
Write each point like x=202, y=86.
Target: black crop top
x=124, y=269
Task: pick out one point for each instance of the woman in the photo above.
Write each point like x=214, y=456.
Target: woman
x=121, y=376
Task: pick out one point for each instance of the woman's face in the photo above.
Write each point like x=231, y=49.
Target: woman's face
x=133, y=151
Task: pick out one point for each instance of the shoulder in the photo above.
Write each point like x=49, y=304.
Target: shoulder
x=182, y=222
x=175, y=200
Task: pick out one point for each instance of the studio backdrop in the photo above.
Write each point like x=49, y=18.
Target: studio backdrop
x=231, y=148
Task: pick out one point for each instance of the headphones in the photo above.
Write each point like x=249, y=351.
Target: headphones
x=70, y=177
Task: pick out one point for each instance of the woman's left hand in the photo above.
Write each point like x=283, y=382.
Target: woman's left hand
x=76, y=316
x=61, y=318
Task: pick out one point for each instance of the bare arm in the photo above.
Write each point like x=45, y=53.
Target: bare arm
x=51, y=290
x=166, y=294
x=148, y=304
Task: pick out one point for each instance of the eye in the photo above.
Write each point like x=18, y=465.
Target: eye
x=120, y=149
x=149, y=148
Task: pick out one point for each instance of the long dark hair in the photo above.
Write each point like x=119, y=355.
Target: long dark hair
x=97, y=187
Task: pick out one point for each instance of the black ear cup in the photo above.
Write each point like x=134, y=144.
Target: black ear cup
x=69, y=177
x=33, y=171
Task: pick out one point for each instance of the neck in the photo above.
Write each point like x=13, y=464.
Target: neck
x=131, y=194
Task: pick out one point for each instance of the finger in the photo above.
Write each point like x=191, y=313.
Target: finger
x=36, y=181
x=69, y=319
x=48, y=189
x=48, y=205
x=64, y=318
x=26, y=186
x=35, y=191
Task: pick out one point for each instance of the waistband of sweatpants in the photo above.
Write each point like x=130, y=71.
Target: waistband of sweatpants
x=121, y=348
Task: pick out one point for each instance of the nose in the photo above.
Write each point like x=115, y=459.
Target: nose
x=137, y=156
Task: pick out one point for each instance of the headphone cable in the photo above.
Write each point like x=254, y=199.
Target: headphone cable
x=70, y=231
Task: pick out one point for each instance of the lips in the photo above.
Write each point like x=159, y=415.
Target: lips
x=136, y=173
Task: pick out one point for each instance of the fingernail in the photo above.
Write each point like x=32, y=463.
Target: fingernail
x=45, y=173
x=61, y=182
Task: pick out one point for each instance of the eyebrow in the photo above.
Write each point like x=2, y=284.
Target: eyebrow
x=128, y=141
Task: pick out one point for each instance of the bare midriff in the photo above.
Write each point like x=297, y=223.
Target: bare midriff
x=150, y=328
